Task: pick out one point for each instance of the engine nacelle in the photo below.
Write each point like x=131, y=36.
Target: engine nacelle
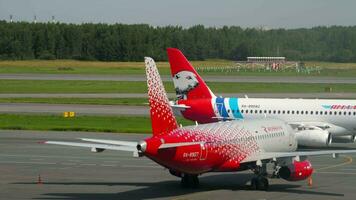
x=344, y=139
x=313, y=138
x=297, y=171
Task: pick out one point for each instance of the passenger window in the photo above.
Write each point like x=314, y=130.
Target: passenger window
x=316, y=112
x=349, y=113
x=306, y=112
x=256, y=111
x=321, y=112
x=242, y=111
x=340, y=113
x=330, y=113
x=297, y=112
x=265, y=111
x=311, y=112
x=288, y=112
x=260, y=111
x=293, y=112
x=301, y=112
x=344, y=113
x=326, y=113
x=274, y=112
x=283, y=112
x=269, y=112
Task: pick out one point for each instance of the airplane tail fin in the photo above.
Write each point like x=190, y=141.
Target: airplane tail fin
x=162, y=118
x=187, y=82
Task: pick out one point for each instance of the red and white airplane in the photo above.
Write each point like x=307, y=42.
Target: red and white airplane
x=216, y=147
x=318, y=122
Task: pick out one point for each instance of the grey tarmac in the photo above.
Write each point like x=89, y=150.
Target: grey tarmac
x=77, y=174
x=208, y=78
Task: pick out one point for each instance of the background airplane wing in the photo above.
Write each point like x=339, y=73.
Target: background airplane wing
x=276, y=155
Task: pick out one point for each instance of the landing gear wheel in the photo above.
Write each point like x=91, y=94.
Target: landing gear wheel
x=259, y=183
x=254, y=183
x=189, y=181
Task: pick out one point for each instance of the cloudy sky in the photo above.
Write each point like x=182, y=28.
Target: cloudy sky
x=245, y=13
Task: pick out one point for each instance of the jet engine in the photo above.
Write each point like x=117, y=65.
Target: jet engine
x=313, y=138
x=297, y=171
x=344, y=139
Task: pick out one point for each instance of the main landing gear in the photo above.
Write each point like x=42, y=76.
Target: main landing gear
x=260, y=181
x=189, y=181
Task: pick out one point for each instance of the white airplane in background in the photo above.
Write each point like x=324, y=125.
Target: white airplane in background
x=318, y=122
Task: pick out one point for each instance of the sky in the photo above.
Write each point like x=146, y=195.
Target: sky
x=186, y=13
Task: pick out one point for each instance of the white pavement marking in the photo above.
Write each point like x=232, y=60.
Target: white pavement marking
x=88, y=164
x=105, y=165
x=21, y=162
x=141, y=166
x=340, y=173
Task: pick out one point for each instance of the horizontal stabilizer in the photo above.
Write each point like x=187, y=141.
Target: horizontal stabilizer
x=114, y=142
x=180, y=106
x=95, y=146
x=225, y=118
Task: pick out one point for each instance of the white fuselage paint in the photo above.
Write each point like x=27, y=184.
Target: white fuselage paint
x=341, y=113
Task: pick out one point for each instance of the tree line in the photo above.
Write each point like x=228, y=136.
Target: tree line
x=123, y=42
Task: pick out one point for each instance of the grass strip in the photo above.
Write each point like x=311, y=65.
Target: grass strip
x=75, y=86
x=119, y=124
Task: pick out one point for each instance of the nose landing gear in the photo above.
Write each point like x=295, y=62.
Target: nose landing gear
x=260, y=181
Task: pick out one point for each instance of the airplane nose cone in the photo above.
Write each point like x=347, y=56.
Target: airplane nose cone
x=141, y=146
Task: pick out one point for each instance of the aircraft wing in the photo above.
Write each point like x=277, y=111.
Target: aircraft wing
x=275, y=155
x=316, y=125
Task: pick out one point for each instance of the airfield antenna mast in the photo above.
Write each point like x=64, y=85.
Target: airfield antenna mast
x=10, y=18
x=35, y=19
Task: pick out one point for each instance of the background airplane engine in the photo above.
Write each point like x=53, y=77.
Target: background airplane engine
x=297, y=171
x=313, y=138
x=344, y=139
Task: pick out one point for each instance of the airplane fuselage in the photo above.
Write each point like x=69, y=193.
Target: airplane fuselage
x=226, y=145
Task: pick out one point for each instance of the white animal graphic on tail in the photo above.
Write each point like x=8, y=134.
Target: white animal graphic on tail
x=184, y=81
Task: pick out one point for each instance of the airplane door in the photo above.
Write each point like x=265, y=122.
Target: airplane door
x=203, y=151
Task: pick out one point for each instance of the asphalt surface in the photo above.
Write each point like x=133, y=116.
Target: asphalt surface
x=77, y=174
x=172, y=95
x=208, y=78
